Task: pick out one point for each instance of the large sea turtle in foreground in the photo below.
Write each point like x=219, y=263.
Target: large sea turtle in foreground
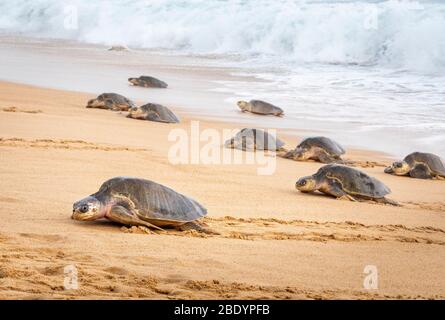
x=153, y=112
x=260, y=107
x=111, y=101
x=320, y=149
x=419, y=165
x=140, y=202
x=148, y=82
x=345, y=183
x=254, y=139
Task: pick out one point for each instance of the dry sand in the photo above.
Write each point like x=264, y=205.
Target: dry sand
x=275, y=242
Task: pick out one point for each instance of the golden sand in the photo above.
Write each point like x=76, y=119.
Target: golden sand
x=274, y=242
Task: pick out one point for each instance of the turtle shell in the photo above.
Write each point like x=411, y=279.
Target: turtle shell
x=329, y=145
x=157, y=112
x=262, y=139
x=153, y=82
x=260, y=106
x=117, y=101
x=354, y=182
x=152, y=200
x=435, y=163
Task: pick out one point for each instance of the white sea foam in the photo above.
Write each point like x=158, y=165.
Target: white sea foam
x=403, y=34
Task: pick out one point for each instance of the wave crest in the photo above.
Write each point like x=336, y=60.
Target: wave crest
x=398, y=34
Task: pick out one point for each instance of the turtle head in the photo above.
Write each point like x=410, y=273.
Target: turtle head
x=242, y=105
x=94, y=103
x=399, y=168
x=135, y=112
x=87, y=209
x=306, y=184
x=229, y=143
x=300, y=154
x=133, y=81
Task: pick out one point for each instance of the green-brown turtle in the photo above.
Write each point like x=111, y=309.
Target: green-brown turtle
x=147, y=82
x=139, y=202
x=260, y=107
x=153, y=112
x=419, y=165
x=345, y=183
x=111, y=101
x=321, y=149
x=254, y=139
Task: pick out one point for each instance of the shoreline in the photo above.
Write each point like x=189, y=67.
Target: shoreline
x=275, y=242
x=89, y=68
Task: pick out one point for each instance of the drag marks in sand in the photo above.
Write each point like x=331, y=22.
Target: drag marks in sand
x=19, y=110
x=430, y=206
x=38, y=273
x=297, y=230
x=63, y=144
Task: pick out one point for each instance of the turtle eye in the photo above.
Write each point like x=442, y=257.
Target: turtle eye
x=303, y=183
x=84, y=208
x=398, y=165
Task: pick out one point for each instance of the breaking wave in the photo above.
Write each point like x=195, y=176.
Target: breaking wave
x=398, y=34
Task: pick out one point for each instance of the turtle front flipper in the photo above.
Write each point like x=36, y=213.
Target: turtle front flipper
x=153, y=116
x=287, y=154
x=324, y=157
x=334, y=188
x=126, y=217
x=420, y=171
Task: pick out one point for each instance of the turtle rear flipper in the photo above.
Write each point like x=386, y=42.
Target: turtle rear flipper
x=388, y=201
x=196, y=226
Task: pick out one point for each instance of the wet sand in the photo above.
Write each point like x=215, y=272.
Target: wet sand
x=275, y=242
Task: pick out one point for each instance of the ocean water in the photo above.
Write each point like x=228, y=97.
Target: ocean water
x=369, y=73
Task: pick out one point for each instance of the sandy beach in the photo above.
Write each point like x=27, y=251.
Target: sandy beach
x=274, y=242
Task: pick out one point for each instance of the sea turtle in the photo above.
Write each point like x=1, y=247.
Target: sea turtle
x=118, y=48
x=345, y=183
x=111, y=101
x=419, y=165
x=254, y=139
x=148, y=82
x=153, y=112
x=320, y=149
x=139, y=202
x=260, y=107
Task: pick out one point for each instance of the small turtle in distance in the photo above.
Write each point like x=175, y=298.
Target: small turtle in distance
x=147, y=82
x=260, y=107
x=346, y=183
x=321, y=149
x=153, y=112
x=111, y=101
x=419, y=165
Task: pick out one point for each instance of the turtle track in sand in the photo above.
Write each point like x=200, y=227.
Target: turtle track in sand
x=364, y=164
x=38, y=273
x=63, y=144
x=430, y=206
x=19, y=110
x=300, y=230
